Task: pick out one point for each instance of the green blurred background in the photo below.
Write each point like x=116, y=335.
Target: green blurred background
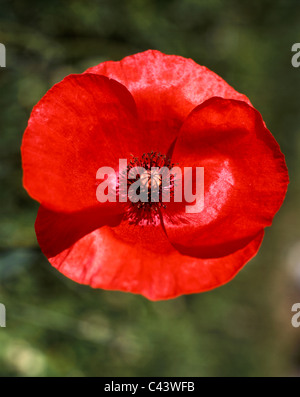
x=58, y=328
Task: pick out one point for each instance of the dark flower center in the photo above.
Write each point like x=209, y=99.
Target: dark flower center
x=149, y=185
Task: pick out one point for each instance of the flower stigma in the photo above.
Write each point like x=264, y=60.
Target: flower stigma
x=149, y=185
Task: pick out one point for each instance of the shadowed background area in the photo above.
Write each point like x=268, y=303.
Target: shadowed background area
x=56, y=327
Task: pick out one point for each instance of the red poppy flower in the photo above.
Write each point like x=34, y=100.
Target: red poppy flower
x=151, y=104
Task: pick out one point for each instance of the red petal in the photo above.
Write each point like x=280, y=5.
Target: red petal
x=245, y=179
x=109, y=260
x=166, y=88
x=57, y=231
x=82, y=123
